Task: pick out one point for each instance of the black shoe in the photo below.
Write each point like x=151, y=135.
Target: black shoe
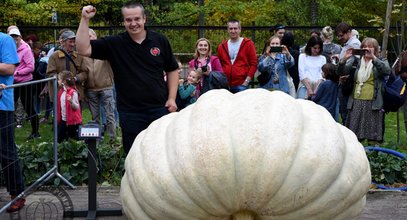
x=33, y=135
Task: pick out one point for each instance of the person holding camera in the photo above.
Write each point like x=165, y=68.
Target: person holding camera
x=204, y=59
x=275, y=62
x=365, y=116
x=309, y=68
x=344, y=34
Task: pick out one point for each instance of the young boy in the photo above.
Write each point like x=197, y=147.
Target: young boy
x=327, y=93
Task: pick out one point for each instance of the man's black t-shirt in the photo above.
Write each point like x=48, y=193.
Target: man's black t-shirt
x=138, y=68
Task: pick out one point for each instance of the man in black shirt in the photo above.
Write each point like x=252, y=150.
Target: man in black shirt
x=139, y=58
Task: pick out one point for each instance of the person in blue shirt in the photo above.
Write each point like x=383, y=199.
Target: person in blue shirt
x=327, y=92
x=9, y=158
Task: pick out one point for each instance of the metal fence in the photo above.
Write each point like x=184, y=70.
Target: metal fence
x=183, y=38
x=30, y=91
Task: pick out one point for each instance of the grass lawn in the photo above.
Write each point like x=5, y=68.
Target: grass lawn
x=395, y=138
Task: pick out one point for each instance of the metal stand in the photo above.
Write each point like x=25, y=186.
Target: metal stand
x=53, y=172
x=91, y=133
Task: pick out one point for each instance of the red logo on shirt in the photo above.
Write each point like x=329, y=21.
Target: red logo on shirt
x=155, y=51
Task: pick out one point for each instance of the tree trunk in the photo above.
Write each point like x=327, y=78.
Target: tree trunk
x=314, y=11
x=387, y=27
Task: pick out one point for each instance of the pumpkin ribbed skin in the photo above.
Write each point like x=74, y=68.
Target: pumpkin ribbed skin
x=257, y=152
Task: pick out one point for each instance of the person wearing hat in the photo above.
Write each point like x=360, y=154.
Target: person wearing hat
x=66, y=58
x=10, y=162
x=24, y=73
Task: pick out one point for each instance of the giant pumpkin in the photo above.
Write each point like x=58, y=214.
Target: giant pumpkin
x=252, y=155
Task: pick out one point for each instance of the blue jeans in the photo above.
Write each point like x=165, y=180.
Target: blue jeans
x=302, y=92
x=10, y=162
x=103, y=98
x=132, y=123
x=236, y=89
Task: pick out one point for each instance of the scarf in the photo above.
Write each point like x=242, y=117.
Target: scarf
x=364, y=72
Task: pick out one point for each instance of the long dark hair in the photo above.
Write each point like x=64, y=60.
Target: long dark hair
x=312, y=42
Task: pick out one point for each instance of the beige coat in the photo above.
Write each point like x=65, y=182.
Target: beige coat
x=57, y=63
x=100, y=75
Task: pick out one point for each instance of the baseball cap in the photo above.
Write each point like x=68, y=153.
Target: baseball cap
x=14, y=31
x=67, y=35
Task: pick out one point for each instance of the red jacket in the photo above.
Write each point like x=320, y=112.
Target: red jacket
x=73, y=117
x=245, y=63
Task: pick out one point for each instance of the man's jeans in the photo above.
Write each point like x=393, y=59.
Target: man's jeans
x=10, y=163
x=132, y=123
x=106, y=99
x=236, y=89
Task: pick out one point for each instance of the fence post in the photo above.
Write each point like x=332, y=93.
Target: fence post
x=201, y=31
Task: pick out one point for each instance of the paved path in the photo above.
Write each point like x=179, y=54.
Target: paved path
x=49, y=203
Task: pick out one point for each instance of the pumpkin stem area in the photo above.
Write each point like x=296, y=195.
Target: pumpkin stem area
x=243, y=215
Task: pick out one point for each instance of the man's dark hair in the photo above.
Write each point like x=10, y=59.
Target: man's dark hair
x=134, y=4
x=342, y=28
x=235, y=21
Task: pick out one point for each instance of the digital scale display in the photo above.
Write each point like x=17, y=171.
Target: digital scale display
x=85, y=132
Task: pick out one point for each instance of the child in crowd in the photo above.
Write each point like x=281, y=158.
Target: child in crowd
x=187, y=90
x=327, y=93
x=69, y=111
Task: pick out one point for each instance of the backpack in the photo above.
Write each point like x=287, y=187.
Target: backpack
x=264, y=77
x=348, y=85
x=215, y=80
x=394, y=94
x=41, y=70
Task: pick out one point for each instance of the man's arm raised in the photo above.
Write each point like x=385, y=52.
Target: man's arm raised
x=82, y=36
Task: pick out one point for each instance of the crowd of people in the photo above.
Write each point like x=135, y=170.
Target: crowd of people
x=140, y=66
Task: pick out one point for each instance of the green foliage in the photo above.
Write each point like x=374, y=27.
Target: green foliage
x=36, y=160
x=387, y=169
x=217, y=12
x=37, y=157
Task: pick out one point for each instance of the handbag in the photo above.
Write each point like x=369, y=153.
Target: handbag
x=264, y=78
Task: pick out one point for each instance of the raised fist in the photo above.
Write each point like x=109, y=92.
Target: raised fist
x=88, y=11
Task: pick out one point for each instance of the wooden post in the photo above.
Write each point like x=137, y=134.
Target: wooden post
x=387, y=27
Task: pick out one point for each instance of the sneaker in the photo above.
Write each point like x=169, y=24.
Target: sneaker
x=19, y=125
x=43, y=121
x=17, y=205
x=33, y=136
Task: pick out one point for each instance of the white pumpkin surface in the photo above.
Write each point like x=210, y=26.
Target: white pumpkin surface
x=251, y=155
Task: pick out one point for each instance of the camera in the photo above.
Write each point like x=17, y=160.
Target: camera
x=204, y=68
x=276, y=49
x=360, y=52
